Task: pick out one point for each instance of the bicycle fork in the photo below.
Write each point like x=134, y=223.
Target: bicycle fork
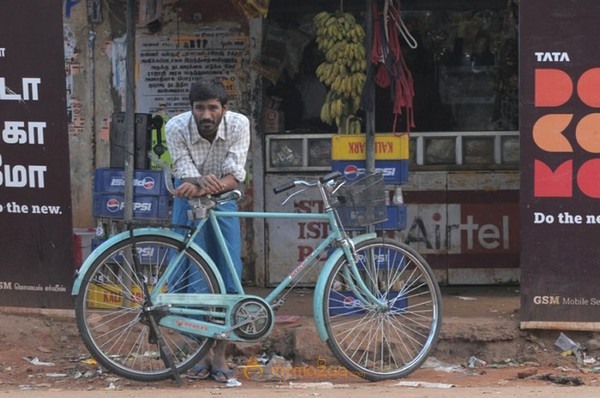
x=355, y=280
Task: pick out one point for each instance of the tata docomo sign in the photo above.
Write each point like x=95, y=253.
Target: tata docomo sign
x=560, y=165
x=37, y=288
x=558, y=300
x=35, y=195
x=25, y=209
x=565, y=218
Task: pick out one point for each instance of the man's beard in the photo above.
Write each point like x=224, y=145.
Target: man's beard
x=208, y=127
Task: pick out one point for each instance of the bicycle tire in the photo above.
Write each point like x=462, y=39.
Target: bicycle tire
x=389, y=343
x=109, y=314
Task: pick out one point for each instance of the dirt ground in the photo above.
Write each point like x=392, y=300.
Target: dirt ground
x=45, y=352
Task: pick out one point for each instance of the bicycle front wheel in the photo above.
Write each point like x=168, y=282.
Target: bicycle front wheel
x=109, y=308
x=391, y=336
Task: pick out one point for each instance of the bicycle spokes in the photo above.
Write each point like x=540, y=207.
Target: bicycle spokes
x=382, y=315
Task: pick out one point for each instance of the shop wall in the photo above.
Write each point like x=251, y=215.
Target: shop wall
x=95, y=72
x=175, y=43
x=88, y=109
x=466, y=224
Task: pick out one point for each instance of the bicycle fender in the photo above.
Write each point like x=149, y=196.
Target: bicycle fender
x=322, y=280
x=139, y=232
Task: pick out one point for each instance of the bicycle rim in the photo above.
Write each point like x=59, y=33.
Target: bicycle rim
x=109, y=312
x=382, y=342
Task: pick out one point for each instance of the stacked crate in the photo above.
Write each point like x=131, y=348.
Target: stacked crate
x=151, y=202
x=348, y=154
x=150, y=195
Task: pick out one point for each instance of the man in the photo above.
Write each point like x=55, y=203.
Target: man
x=208, y=146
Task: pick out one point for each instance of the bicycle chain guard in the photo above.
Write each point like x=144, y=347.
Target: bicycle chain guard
x=252, y=319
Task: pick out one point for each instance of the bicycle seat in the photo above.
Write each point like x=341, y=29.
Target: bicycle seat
x=200, y=205
x=225, y=196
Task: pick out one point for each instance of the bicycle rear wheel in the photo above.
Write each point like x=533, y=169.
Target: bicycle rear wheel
x=109, y=308
x=382, y=342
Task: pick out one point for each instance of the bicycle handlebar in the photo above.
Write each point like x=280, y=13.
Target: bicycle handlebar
x=235, y=194
x=289, y=185
x=331, y=176
x=284, y=187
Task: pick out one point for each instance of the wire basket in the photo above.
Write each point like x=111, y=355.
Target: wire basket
x=361, y=202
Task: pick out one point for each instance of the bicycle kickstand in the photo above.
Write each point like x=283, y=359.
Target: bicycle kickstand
x=166, y=357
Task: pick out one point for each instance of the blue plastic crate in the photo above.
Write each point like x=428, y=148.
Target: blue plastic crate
x=394, y=171
x=346, y=303
x=145, y=182
x=97, y=241
x=396, y=220
x=144, y=207
x=149, y=254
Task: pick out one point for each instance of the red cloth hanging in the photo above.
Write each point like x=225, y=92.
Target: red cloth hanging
x=392, y=69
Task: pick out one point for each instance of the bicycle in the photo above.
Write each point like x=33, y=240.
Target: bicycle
x=149, y=302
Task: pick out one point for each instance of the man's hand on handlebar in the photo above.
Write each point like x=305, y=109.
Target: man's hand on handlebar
x=205, y=185
x=211, y=184
x=189, y=190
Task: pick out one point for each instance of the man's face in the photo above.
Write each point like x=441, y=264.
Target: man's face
x=208, y=115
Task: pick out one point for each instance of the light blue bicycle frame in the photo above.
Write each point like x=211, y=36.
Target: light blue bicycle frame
x=181, y=314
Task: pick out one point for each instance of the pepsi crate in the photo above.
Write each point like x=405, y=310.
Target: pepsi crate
x=97, y=241
x=393, y=171
x=148, y=253
x=346, y=303
x=349, y=154
x=145, y=182
x=144, y=207
x=396, y=220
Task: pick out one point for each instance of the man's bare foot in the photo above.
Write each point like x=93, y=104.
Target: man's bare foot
x=202, y=369
x=219, y=370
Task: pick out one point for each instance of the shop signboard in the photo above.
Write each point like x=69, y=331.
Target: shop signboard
x=289, y=242
x=560, y=164
x=466, y=224
x=348, y=154
x=36, y=240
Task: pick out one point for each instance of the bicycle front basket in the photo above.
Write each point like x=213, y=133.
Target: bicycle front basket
x=361, y=202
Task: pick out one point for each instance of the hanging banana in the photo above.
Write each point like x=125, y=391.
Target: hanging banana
x=340, y=38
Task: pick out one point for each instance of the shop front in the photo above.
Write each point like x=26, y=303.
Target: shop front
x=450, y=94
x=451, y=97
x=462, y=188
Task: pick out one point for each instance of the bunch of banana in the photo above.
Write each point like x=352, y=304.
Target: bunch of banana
x=353, y=125
x=341, y=38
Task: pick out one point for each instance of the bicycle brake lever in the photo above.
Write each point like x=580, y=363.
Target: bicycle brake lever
x=292, y=195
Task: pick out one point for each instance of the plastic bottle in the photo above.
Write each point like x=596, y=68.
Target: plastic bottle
x=100, y=232
x=398, y=198
x=113, y=230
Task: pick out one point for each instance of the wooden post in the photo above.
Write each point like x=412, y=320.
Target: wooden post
x=129, y=111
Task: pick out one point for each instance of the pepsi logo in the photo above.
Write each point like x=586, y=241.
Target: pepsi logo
x=113, y=205
x=348, y=302
x=148, y=182
x=351, y=172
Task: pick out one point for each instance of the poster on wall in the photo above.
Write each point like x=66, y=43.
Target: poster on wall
x=168, y=65
x=560, y=164
x=35, y=202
